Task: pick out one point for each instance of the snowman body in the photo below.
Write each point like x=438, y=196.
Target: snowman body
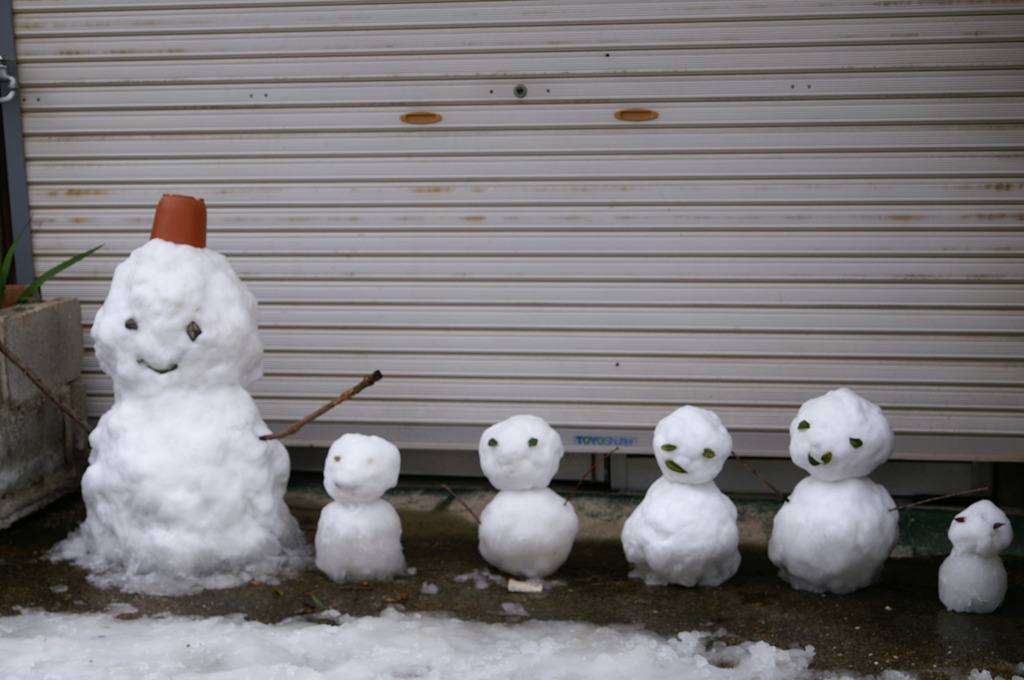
x=837, y=528
x=527, y=530
x=358, y=536
x=181, y=493
x=972, y=578
x=684, y=531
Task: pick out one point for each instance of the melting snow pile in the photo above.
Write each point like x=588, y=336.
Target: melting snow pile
x=40, y=645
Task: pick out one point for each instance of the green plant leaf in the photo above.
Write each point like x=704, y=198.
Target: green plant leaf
x=674, y=466
x=5, y=265
x=812, y=460
x=827, y=458
x=317, y=602
x=668, y=447
x=46, y=276
x=856, y=442
x=532, y=442
x=708, y=453
x=492, y=442
x=804, y=425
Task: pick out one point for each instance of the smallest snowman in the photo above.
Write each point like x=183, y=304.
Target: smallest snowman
x=359, y=533
x=973, y=579
x=684, y=531
x=527, y=530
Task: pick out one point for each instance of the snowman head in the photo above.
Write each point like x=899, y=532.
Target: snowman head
x=177, y=316
x=982, y=528
x=840, y=435
x=691, y=445
x=519, y=453
x=360, y=468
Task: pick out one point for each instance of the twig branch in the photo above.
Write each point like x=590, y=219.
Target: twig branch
x=587, y=474
x=456, y=497
x=347, y=394
x=50, y=394
x=938, y=498
x=759, y=476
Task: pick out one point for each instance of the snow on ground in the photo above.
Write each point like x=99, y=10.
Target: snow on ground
x=48, y=646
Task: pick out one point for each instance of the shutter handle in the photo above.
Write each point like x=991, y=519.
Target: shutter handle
x=421, y=117
x=636, y=115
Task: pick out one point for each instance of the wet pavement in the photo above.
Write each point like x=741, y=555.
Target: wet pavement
x=897, y=624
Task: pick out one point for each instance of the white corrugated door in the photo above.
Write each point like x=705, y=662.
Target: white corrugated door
x=830, y=194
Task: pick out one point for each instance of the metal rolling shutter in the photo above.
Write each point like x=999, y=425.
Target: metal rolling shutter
x=831, y=194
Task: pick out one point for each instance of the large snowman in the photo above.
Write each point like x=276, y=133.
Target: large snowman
x=181, y=493
x=684, y=531
x=838, y=526
x=527, y=529
x=359, y=534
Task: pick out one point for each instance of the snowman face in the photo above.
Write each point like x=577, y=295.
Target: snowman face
x=519, y=453
x=840, y=435
x=691, y=445
x=177, y=316
x=982, y=529
x=360, y=468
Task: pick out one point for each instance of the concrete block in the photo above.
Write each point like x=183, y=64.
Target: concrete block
x=55, y=354
x=42, y=451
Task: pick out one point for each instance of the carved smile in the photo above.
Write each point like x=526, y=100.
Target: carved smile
x=161, y=371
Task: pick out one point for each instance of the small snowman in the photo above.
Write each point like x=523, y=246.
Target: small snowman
x=359, y=534
x=181, y=492
x=837, y=528
x=973, y=579
x=684, y=531
x=527, y=530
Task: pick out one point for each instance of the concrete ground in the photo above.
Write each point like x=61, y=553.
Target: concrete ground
x=897, y=624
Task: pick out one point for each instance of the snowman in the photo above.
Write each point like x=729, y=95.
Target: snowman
x=527, y=530
x=181, y=493
x=973, y=578
x=359, y=534
x=684, y=531
x=837, y=528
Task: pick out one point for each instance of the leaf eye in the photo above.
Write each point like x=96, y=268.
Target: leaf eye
x=668, y=448
x=492, y=442
x=708, y=453
x=827, y=458
x=532, y=442
x=960, y=519
x=856, y=442
x=193, y=330
x=804, y=425
x=131, y=325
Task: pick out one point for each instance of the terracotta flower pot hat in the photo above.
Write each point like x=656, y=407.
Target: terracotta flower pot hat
x=180, y=219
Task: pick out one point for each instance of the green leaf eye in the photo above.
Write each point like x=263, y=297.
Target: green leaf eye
x=856, y=442
x=492, y=442
x=804, y=425
x=827, y=458
x=708, y=453
x=533, y=441
x=674, y=466
x=668, y=447
x=812, y=460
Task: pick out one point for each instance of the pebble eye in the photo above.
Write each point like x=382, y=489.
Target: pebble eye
x=492, y=442
x=131, y=325
x=337, y=459
x=193, y=330
x=532, y=442
x=708, y=453
x=856, y=443
x=804, y=425
x=668, y=447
